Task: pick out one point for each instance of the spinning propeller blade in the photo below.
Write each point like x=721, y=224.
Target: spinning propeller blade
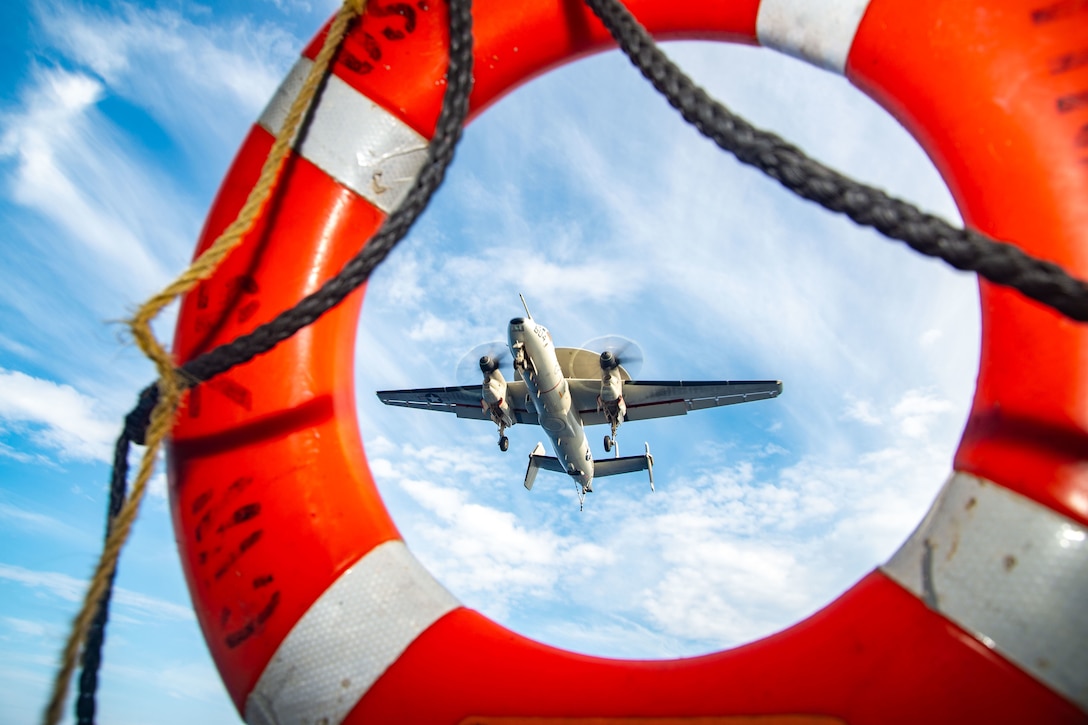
x=617, y=350
x=494, y=355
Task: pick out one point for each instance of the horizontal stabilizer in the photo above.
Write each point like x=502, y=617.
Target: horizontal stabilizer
x=627, y=464
x=603, y=467
x=616, y=466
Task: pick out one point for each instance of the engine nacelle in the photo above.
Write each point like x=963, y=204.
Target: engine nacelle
x=611, y=384
x=493, y=394
x=494, y=387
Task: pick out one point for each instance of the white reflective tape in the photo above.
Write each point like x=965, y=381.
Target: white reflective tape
x=817, y=31
x=351, y=635
x=1011, y=572
x=352, y=139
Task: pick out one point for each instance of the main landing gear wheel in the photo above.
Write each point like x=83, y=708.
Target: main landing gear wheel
x=504, y=444
x=607, y=444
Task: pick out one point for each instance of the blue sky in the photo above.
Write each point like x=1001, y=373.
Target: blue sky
x=583, y=191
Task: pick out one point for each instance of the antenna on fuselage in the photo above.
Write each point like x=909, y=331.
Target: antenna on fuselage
x=527, y=313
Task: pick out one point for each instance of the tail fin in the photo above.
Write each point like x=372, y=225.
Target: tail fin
x=538, y=460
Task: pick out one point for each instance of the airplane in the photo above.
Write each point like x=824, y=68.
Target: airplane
x=565, y=389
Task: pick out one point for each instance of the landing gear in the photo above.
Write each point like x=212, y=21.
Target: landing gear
x=504, y=444
x=610, y=440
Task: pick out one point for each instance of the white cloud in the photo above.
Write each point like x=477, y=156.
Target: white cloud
x=192, y=76
x=190, y=681
x=719, y=272
x=861, y=411
x=35, y=522
x=17, y=348
x=64, y=157
x=66, y=587
x=106, y=153
x=55, y=416
x=71, y=589
x=27, y=627
x=917, y=410
x=290, y=5
x=930, y=337
x=151, y=607
x=157, y=486
x=21, y=456
x=715, y=558
x=431, y=329
x=488, y=556
x=746, y=551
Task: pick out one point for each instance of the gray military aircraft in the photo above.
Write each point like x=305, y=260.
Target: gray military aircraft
x=564, y=389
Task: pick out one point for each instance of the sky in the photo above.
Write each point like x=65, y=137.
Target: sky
x=583, y=191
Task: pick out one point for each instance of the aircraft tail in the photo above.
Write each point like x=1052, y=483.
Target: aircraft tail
x=601, y=468
x=538, y=460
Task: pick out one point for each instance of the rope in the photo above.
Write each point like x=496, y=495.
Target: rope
x=170, y=386
x=440, y=151
x=153, y=418
x=134, y=431
x=173, y=381
x=964, y=249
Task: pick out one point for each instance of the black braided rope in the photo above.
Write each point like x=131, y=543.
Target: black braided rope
x=135, y=429
x=451, y=121
x=440, y=152
x=964, y=249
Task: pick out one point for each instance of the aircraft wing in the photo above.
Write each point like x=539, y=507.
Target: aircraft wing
x=461, y=400
x=648, y=399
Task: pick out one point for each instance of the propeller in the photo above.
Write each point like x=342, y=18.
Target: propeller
x=484, y=358
x=617, y=350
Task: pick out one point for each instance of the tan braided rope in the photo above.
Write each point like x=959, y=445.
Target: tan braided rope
x=170, y=384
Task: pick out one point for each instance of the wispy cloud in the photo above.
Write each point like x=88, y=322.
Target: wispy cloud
x=489, y=556
x=27, y=627
x=122, y=127
x=722, y=275
x=54, y=416
x=860, y=410
x=718, y=556
x=162, y=59
x=71, y=589
x=917, y=411
x=35, y=522
x=64, y=156
x=644, y=225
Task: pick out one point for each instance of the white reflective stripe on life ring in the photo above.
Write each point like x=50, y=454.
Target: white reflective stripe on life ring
x=1012, y=572
x=350, y=636
x=820, y=32
x=352, y=139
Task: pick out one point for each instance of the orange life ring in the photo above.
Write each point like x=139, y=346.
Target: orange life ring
x=314, y=610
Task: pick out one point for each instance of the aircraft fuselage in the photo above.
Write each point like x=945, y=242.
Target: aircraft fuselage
x=535, y=358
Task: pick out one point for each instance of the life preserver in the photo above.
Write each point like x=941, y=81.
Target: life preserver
x=315, y=611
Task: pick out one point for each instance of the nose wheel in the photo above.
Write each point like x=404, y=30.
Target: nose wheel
x=609, y=441
x=504, y=444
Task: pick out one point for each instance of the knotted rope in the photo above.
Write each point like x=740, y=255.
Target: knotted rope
x=172, y=383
